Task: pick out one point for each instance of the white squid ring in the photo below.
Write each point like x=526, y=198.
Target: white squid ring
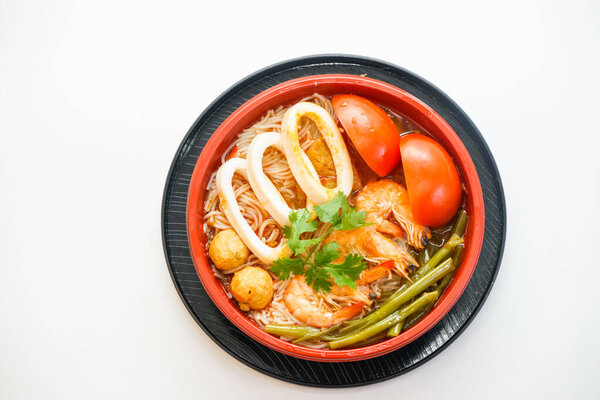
x=265, y=191
x=297, y=159
x=231, y=209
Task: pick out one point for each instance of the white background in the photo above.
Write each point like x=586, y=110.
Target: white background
x=96, y=97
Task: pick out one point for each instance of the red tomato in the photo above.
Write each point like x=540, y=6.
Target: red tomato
x=372, y=131
x=432, y=181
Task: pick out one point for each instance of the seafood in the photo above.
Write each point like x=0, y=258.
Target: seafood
x=304, y=304
x=384, y=198
x=375, y=273
x=299, y=179
x=234, y=215
x=369, y=243
x=299, y=166
x=266, y=192
x=363, y=292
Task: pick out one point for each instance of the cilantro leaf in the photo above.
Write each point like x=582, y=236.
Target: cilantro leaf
x=346, y=273
x=349, y=218
x=344, y=205
x=286, y=266
x=328, y=253
x=319, y=271
x=330, y=211
x=299, y=224
x=300, y=220
x=352, y=220
x=299, y=246
x=318, y=278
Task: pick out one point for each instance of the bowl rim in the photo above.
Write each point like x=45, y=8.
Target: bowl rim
x=208, y=157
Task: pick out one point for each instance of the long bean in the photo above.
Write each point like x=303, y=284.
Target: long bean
x=402, y=296
x=290, y=331
x=412, y=319
x=460, y=226
x=457, y=256
x=417, y=316
x=395, y=330
x=439, y=255
x=459, y=229
x=386, y=323
x=317, y=335
x=371, y=340
x=444, y=282
x=350, y=323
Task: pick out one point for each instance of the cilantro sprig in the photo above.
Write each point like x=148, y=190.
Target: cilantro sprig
x=311, y=259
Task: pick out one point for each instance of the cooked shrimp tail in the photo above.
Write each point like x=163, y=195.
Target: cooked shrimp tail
x=375, y=273
x=348, y=312
x=388, y=227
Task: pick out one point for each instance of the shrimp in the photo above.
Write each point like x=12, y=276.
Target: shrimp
x=381, y=198
x=368, y=242
x=368, y=276
x=360, y=294
x=375, y=273
x=302, y=301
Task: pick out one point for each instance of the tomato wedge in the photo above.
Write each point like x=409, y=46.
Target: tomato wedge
x=432, y=181
x=371, y=130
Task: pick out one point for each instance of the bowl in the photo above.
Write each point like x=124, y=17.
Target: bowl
x=287, y=93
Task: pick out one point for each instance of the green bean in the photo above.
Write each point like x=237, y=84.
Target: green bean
x=371, y=340
x=291, y=331
x=439, y=236
x=442, y=253
x=458, y=230
x=317, y=335
x=395, y=330
x=385, y=294
x=412, y=319
x=444, y=282
x=386, y=323
x=402, y=296
x=457, y=256
x=350, y=323
x=417, y=316
x=460, y=226
x=437, y=257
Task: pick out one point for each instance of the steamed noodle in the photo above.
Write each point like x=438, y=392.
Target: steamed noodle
x=277, y=169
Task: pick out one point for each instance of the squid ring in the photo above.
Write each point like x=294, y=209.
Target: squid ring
x=265, y=191
x=297, y=159
x=231, y=209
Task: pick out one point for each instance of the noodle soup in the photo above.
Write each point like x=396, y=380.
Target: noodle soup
x=326, y=229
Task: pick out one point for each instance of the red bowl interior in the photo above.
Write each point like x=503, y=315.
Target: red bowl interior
x=287, y=93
